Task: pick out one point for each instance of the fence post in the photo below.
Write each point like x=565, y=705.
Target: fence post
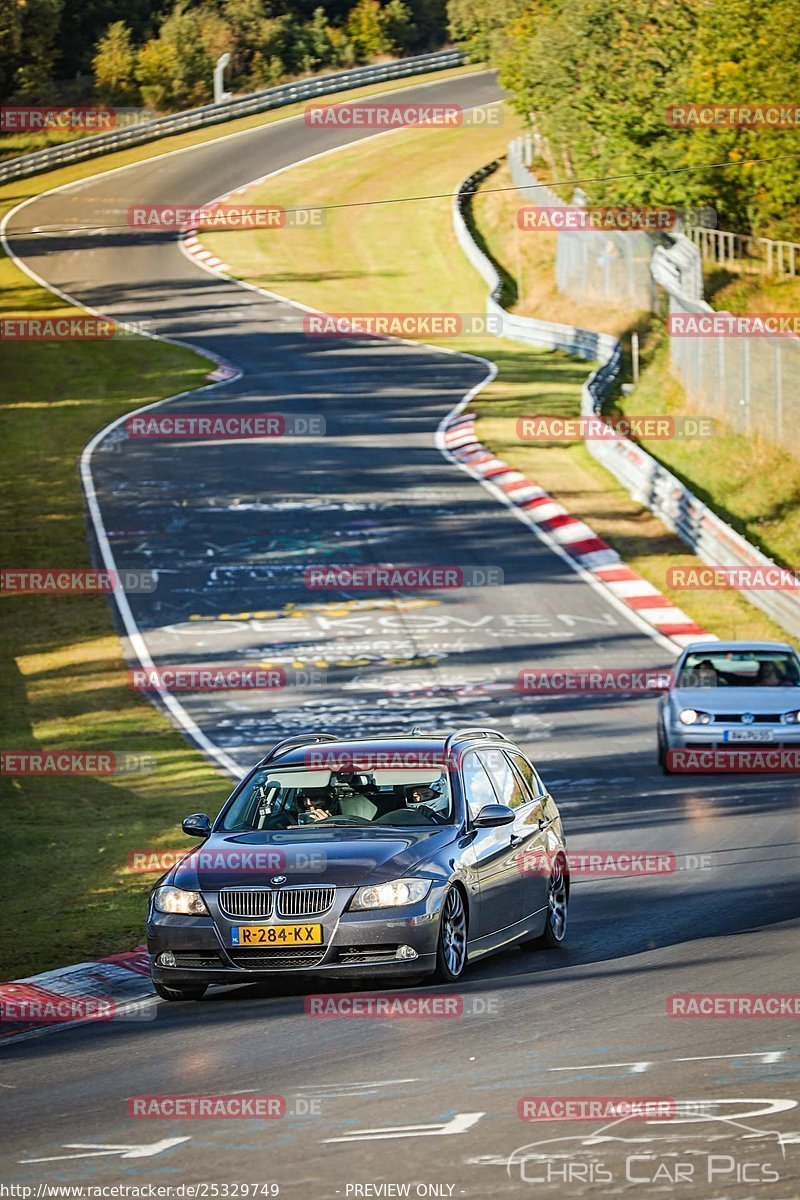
x=778, y=392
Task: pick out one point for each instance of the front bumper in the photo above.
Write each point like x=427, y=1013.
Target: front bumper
x=712, y=736
x=354, y=944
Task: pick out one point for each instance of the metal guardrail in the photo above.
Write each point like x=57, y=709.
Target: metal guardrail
x=647, y=481
x=544, y=335
x=212, y=114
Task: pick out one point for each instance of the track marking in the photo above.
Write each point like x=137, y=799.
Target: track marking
x=460, y=1123
x=96, y=1150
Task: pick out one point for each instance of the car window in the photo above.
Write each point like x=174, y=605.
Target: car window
x=531, y=780
x=506, y=781
x=276, y=797
x=739, y=668
x=478, y=788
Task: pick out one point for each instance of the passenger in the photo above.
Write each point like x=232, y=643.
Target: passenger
x=768, y=674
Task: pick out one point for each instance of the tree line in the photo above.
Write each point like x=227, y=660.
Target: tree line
x=161, y=55
x=596, y=80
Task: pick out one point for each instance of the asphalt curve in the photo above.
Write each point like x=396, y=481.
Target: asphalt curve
x=230, y=528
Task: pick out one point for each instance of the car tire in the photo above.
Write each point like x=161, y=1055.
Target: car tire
x=451, y=945
x=662, y=751
x=176, y=994
x=555, y=925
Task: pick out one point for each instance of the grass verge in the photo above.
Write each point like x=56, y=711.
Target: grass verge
x=67, y=893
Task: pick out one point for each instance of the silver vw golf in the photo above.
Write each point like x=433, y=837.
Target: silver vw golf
x=729, y=694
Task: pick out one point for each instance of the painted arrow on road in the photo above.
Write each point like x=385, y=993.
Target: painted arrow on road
x=460, y=1123
x=97, y=1151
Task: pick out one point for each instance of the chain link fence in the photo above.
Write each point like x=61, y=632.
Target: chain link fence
x=613, y=267
x=749, y=382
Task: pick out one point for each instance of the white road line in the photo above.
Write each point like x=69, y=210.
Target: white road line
x=460, y=1123
x=97, y=1150
x=766, y=1056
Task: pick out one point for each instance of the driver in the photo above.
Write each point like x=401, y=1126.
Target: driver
x=430, y=798
x=704, y=675
x=313, y=808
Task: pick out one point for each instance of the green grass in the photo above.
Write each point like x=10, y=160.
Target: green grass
x=66, y=891
x=404, y=257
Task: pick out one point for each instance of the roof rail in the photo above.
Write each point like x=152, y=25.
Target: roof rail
x=298, y=739
x=472, y=731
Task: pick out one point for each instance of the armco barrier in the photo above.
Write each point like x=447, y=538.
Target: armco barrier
x=545, y=335
x=211, y=114
x=643, y=476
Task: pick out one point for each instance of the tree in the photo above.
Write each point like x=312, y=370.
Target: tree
x=373, y=30
x=175, y=69
x=366, y=29
x=746, y=53
x=114, y=66
x=477, y=26
x=30, y=42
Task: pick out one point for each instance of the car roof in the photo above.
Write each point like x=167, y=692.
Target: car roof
x=717, y=646
x=424, y=743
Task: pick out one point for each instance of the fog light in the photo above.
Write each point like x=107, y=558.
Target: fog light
x=406, y=952
x=167, y=959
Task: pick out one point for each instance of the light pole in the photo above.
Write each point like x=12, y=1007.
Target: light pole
x=219, y=93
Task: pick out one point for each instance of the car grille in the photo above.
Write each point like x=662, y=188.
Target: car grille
x=273, y=960
x=305, y=902
x=261, y=903
x=367, y=954
x=197, y=959
x=246, y=902
x=758, y=719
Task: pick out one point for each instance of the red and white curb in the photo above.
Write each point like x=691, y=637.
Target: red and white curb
x=113, y=988
x=572, y=535
x=195, y=247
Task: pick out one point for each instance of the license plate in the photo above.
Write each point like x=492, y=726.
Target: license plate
x=276, y=935
x=748, y=735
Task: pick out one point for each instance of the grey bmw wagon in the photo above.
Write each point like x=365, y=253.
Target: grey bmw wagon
x=403, y=856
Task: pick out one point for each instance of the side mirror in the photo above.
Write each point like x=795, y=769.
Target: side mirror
x=197, y=825
x=492, y=815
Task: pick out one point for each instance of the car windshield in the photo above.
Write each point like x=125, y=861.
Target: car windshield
x=292, y=798
x=740, y=668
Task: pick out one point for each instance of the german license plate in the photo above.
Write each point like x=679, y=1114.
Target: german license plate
x=276, y=935
x=748, y=735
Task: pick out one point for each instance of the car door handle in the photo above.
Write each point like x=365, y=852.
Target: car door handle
x=516, y=838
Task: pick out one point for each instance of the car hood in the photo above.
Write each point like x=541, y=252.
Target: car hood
x=756, y=700
x=341, y=857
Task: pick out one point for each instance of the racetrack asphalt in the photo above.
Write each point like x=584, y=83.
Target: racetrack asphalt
x=230, y=528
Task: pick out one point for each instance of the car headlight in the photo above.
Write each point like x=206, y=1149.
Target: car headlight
x=176, y=900
x=691, y=716
x=791, y=718
x=391, y=895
